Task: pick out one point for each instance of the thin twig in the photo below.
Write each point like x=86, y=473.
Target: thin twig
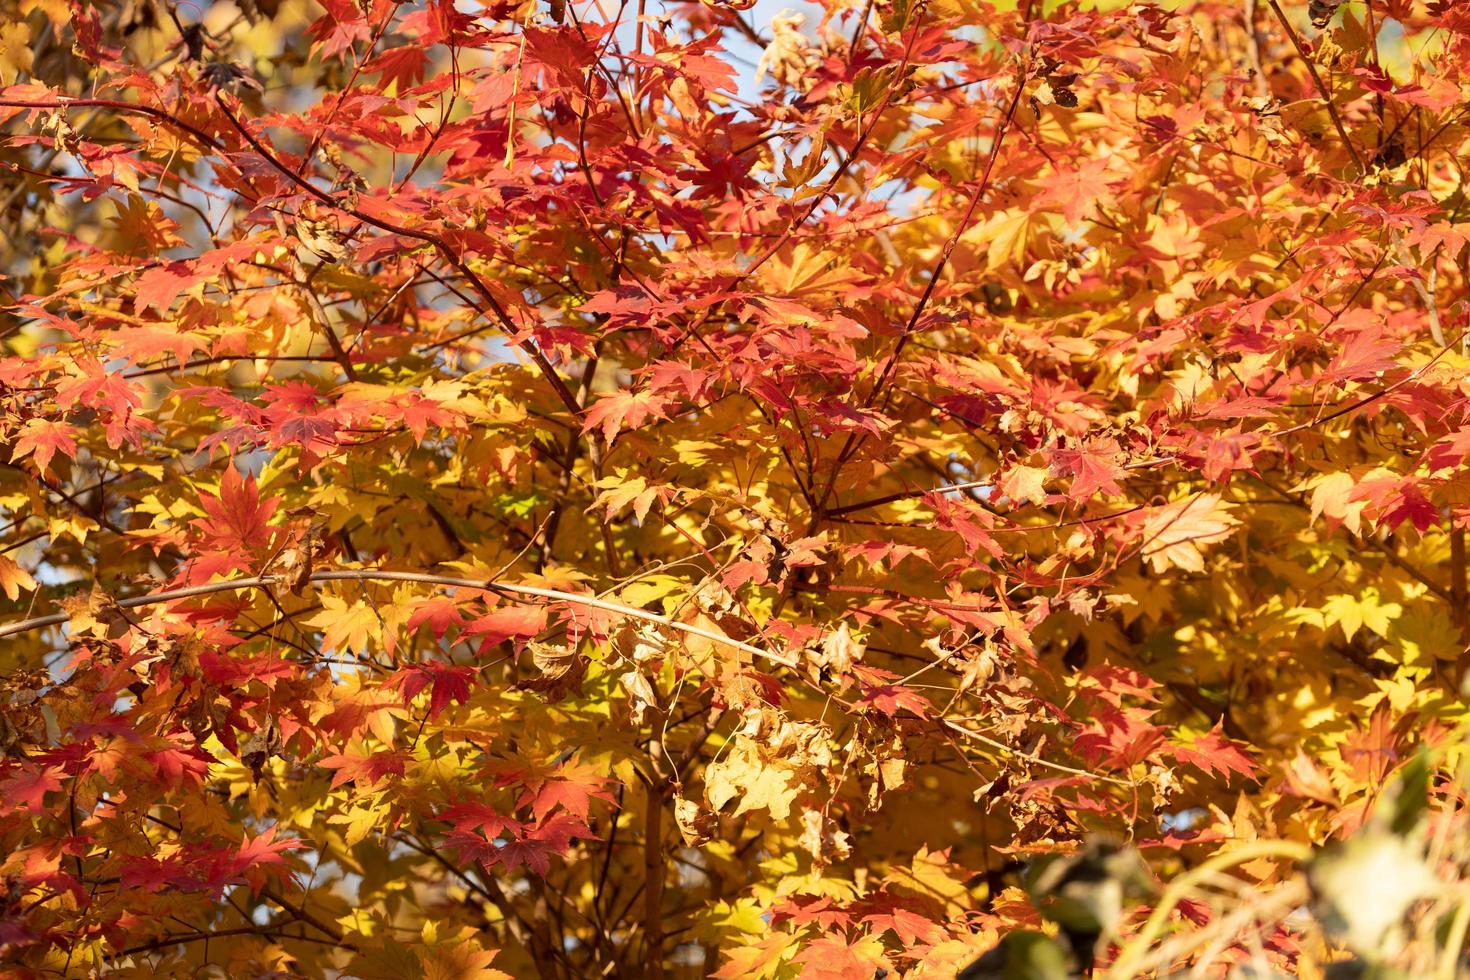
x=1321, y=87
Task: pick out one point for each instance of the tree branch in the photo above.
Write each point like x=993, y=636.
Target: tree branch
x=506, y=589
x=1321, y=87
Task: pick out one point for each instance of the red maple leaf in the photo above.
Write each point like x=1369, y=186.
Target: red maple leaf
x=404, y=64
x=623, y=410
x=154, y=874
x=1213, y=753
x=1366, y=354
x=367, y=769
x=265, y=849
x=42, y=439
x=237, y=516
x=534, y=851
x=470, y=817
x=888, y=912
x=1119, y=738
x=1076, y=190
x=440, y=612
x=1411, y=506
x=886, y=698
x=27, y=789
x=175, y=766
x=1093, y=466
x=800, y=910
x=834, y=958
x=571, y=786
x=507, y=622
x=161, y=285
x=450, y=683
x=1113, y=683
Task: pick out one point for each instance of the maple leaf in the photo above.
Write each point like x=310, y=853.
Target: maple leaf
x=1371, y=751
x=179, y=766
x=15, y=50
x=1213, y=753
x=1023, y=484
x=834, y=958
x=623, y=410
x=515, y=622
x=265, y=849
x=161, y=285
x=364, y=767
x=403, y=65
x=26, y=790
x=572, y=786
x=535, y=848
x=911, y=927
x=448, y=683
x=1174, y=535
x=1450, y=451
x=1077, y=190
x=349, y=627
x=623, y=490
x=1112, y=683
x=349, y=717
x=802, y=909
x=759, y=959
x=467, y=818
x=1412, y=506
x=1353, y=612
x=888, y=698
x=1120, y=738
x=461, y=961
x=140, y=343
x=359, y=823
x=752, y=781
x=42, y=439
x=154, y=875
x=439, y=612
x=1332, y=498
x=237, y=516
x=1366, y=354
x=14, y=579
x=1092, y=466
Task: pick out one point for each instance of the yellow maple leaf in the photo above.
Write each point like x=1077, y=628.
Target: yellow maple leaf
x=463, y=961
x=753, y=782
x=14, y=579
x=1354, y=612
x=346, y=628
x=1330, y=498
x=762, y=959
x=359, y=821
x=623, y=490
x=931, y=875
x=1024, y=484
x=15, y=50
x=59, y=11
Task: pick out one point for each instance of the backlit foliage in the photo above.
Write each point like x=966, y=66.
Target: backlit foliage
x=662, y=489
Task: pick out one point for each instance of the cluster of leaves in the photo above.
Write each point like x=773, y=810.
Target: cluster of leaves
x=636, y=490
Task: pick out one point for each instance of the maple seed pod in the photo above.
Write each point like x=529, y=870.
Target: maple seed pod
x=1321, y=11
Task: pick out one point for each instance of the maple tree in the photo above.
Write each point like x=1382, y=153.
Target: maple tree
x=918, y=486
